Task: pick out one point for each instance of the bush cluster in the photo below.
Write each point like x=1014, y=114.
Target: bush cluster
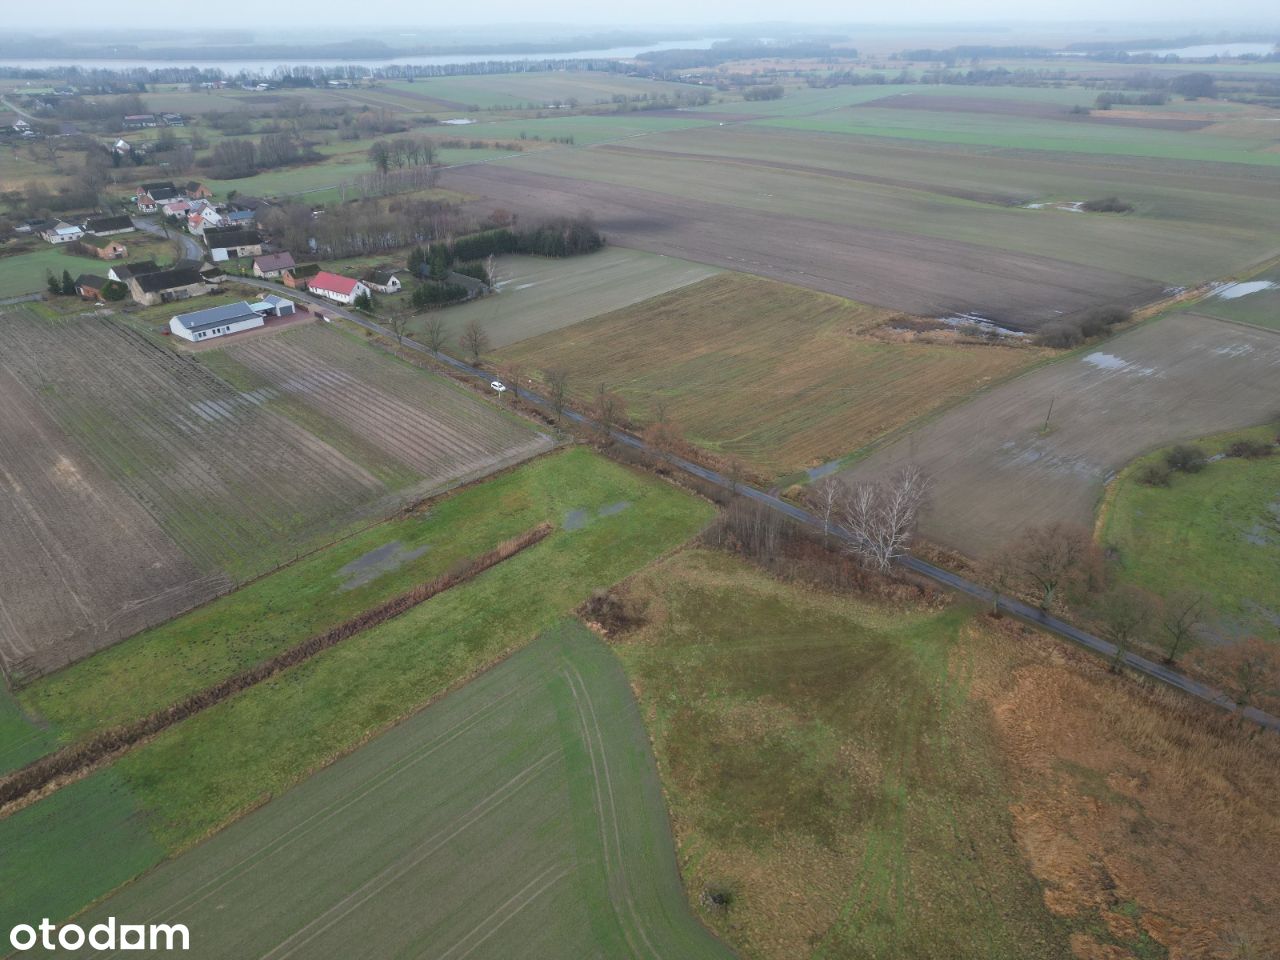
x=1073, y=331
x=1107, y=205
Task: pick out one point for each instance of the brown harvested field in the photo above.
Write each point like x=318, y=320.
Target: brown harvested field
x=425, y=422
x=930, y=276
x=996, y=471
x=84, y=564
x=784, y=377
x=1028, y=108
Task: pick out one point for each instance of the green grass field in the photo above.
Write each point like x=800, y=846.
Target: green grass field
x=1260, y=308
x=21, y=739
x=199, y=775
x=1216, y=532
x=538, y=294
x=783, y=377
x=520, y=816
x=828, y=771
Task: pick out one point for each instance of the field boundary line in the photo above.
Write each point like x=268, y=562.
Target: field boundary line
x=77, y=757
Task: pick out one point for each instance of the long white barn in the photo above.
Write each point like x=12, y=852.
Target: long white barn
x=216, y=321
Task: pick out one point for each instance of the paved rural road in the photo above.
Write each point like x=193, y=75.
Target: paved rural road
x=950, y=580
x=191, y=248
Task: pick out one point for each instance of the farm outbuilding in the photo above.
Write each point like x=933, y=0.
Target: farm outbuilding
x=273, y=306
x=216, y=321
x=108, y=226
x=90, y=287
x=228, y=243
x=63, y=233
x=384, y=281
x=165, y=286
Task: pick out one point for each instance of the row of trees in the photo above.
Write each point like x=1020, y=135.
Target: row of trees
x=362, y=227
x=400, y=153
x=231, y=159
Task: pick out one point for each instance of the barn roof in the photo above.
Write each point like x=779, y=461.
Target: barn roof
x=216, y=316
x=324, y=280
x=167, y=280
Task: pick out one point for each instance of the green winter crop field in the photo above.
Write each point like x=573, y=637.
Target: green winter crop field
x=200, y=774
x=520, y=816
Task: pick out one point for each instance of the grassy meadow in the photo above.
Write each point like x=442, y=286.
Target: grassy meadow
x=1216, y=532
x=783, y=377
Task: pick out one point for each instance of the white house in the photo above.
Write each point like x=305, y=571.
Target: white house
x=384, y=281
x=336, y=288
x=217, y=321
x=63, y=233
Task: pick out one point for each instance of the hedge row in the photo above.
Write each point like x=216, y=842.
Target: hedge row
x=80, y=756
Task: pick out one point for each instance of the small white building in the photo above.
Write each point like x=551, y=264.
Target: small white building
x=217, y=321
x=384, y=281
x=337, y=288
x=273, y=306
x=63, y=233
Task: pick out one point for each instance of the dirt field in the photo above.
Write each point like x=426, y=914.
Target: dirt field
x=783, y=377
x=996, y=471
x=84, y=564
x=921, y=275
x=425, y=422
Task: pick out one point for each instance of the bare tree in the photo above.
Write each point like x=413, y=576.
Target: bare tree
x=398, y=324
x=1125, y=614
x=1002, y=573
x=435, y=333
x=491, y=271
x=825, y=497
x=1250, y=667
x=880, y=518
x=610, y=411
x=557, y=389
x=474, y=340
x=735, y=472
x=1052, y=556
x=1180, y=617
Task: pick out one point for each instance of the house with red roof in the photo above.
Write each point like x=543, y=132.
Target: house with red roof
x=337, y=288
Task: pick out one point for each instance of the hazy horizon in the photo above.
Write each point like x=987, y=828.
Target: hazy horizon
x=578, y=17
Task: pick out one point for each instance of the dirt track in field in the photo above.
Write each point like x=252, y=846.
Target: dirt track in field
x=84, y=565
x=1025, y=108
x=995, y=471
x=920, y=275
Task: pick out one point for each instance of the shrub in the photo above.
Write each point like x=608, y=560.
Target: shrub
x=1185, y=458
x=1250, y=449
x=1061, y=334
x=1154, y=475
x=475, y=270
x=1107, y=205
x=114, y=290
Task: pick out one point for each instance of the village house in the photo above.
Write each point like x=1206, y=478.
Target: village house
x=62, y=232
x=152, y=195
x=384, y=281
x=337, y=288
x=90, y=287
x=109, y=226
x=299, y=278
x=123, y=272
x=165, y=286
x=271, y=265
x=197, y=190
x=229, y=243
x=105, y=248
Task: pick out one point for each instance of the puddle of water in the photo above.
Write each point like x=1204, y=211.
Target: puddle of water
x=828, y=468
x=981, y=324
x=610, y=509
x=575, y=519
x=458, y=121
x=1233, y=350
x=1234, y=291
x=383, y=559
x=1108, y=361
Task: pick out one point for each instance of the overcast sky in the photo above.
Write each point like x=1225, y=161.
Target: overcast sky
x=398, y=14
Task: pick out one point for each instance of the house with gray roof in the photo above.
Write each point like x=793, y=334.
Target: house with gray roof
x=216, y=321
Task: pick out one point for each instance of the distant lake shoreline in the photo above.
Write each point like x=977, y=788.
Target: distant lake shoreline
x=268, y=64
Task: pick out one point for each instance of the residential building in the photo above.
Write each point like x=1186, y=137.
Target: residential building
x=384, y=281
x=135, y=269
x=109, y=226
x=165, y=286
x=62, y=233
x=90, y=287
x=196, y=190
x=228, y=243
x=139, y=121
x=106, y=248
x=271, y=265
x=216, y=321
x=337, y=288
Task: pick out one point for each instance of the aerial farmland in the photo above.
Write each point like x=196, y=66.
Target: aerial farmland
x=487, y=491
